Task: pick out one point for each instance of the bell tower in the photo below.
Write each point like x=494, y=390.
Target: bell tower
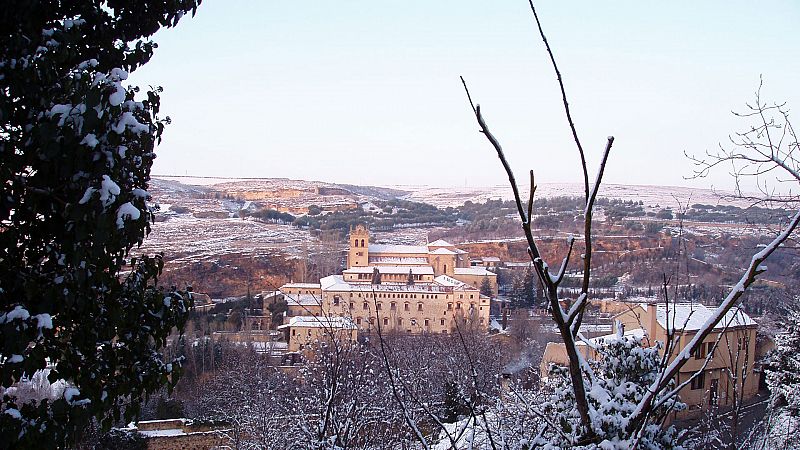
x=358, y=255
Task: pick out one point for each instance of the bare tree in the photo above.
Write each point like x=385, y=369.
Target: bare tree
x=767, y=148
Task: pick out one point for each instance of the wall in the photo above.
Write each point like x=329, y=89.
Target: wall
x=439, y=309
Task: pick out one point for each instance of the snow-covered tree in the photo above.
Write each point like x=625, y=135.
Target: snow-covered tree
x=767, y=147
x=783, y=367
x=76, y=147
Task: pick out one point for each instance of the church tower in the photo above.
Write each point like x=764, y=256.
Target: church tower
x=358, y=255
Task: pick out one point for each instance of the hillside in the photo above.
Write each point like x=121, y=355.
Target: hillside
x=216, y=236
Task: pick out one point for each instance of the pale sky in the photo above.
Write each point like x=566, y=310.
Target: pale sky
x=367, y=92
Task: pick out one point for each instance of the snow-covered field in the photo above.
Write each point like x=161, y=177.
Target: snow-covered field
x=663, y=196
x=203, y=225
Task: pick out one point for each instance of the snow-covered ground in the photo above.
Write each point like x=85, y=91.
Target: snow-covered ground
x=652, y=196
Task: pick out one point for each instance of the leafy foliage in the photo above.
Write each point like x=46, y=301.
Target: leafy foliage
x=77, y=147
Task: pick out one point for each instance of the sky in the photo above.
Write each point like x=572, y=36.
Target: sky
x=368, y=92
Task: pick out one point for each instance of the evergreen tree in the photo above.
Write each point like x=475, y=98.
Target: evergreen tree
x=783, y=367
x=529, y=288
x=76, y=149
x=486, y=287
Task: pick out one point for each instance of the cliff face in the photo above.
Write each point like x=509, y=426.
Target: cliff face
x=606, y=248
x=231, y=274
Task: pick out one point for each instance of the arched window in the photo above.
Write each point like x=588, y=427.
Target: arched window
x=362, y=242
x=356, y=243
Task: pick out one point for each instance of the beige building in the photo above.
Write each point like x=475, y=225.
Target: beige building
x=731, y=346
x=401, y=288
x=303, y=331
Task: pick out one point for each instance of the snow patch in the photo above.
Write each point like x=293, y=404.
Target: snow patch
x=127, y=211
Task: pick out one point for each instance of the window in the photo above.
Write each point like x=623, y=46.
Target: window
x=393, y=306
x=366, y=306
x=336, y=299
x=419, y=306
x=699, y=381
x=358, y=320
x=406, y=307
x=379, y=306
x=449, y=306
x=352, y=305
x=700, y=352
x=362, y=242
x=710, y=350
x=294, y=332
x=400, y=322
x=356, y=243
x=427, y=323
x=442, y=322
x=458, y=305
x=385, y=321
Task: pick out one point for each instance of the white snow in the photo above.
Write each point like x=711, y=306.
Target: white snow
x=141, y=193
x=417, y=270
x=44, y=321
x=127, y=211
x=108, y=191
x=320, y=322
x=117, y=97
x=692, y=316
x=480, y=271
x=90, y=140
x=392, y=248
x=17, y=313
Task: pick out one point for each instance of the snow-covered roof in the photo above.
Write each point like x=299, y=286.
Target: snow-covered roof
x=302, y=299
x=518, y=264
x=440, y=243
x=444, y=280
x=692, y=316
x=480, y=271
x=638, y=333
x=162, y=433
x=416, y=270
x=393, y=248
x=336, y=283
x=301, y=286
x=320, y=322
x=460, y=252
x=442, y=251
x=490, y=259
x=399, y=260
